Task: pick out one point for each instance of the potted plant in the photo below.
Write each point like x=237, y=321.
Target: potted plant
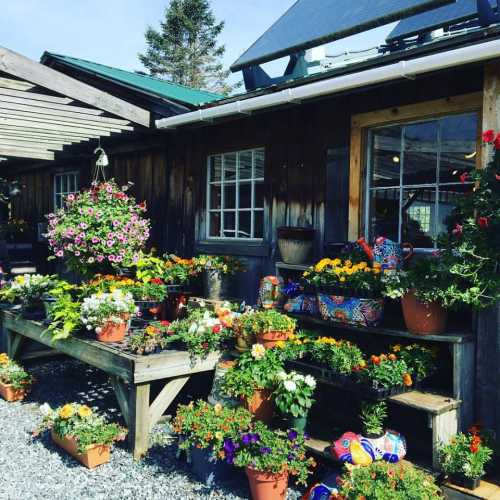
x=253, y=378
x=98, y=229
x=215, y=271
x=269, y=458
x=148, y=340
x=244, y=330
x=372, y=417
x=15, y=381
x=348, y=292
x=82, y=433
x=203, y=432
x=463, y=459
x=420, y=360
x=271, y=326
x=108, y=314
x=295, y=244
x=216, y=393
x=386, y=480
x=293, y=398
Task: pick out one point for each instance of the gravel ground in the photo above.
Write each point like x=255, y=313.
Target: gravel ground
x=36, y=469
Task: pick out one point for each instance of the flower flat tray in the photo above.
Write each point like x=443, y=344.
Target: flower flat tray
x=346, y=382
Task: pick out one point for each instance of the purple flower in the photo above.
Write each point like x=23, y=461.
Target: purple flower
x=118, y=258
x=306, y=436
x=90, y=210
x=110, y=243
x=116, y=223
x=254, y=438
x=292, y=435
x=291, y=457
x=265, y=450
x=229, y=446
x=246, y=439
x=111, y=258
x=95, y=240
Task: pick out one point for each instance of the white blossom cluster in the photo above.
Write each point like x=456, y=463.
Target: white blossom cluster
x=293, y=379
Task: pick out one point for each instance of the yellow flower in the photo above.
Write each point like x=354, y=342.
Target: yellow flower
x=217, y=409
x=151, y=330
x=84, y=411
x=338, y=270
x=368, y=270
x=347, y=263
x=336, y=262
x=67, y=411
x=397, y=348
x=342, y=279
x=20, y=280
x=219, y=436
x=4, y=359
x=291, y=336
x=306, y=274
x=362, y=265
x=280, y=344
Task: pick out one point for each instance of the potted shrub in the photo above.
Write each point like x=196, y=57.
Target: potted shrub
x=348, y=292
x=108, y=314
x=269, y=458
x=386, y=480
x=271, y=326
x=296, y=244
x=15, y=382
x=149, y=340
x=463, y=459
x=420, y=360
x=102, y=228
x=245, y=329
x=215, y=271
x=372, y=418
x=293, y=397
x=86, y=436
x=203, y=432
x=253, y=378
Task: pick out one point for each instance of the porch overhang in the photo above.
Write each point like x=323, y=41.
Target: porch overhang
x=43, y=111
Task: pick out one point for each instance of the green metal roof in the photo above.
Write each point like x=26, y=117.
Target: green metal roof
x=150, y=84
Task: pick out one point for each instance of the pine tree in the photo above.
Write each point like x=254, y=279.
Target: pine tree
x=185, y=49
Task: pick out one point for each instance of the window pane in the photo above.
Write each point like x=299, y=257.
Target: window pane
x=246, y=165
x=259, y=163
x=215, y=224
x=215, y=168
x=448, y=197
x=230, y=195
x=74, y=183
x=458, y=145
x=384, y=213
x=230, y=167
x=245, y=224
x=421, y=153
x=58, y=183
x=258, y=224
x=386, y=156
x=215, y=196
x=259, y=195
x=245, y=195
x=418, y=217
x=229, y=224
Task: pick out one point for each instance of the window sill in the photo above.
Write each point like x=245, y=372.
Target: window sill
x=228, y=247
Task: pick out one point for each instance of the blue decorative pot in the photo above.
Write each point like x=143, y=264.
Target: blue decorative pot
x=207, y=469
x=350, y=310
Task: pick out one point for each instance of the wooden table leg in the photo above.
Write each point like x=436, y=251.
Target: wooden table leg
x=14, y=343
x=139, y=424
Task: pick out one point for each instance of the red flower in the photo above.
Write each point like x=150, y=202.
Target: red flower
x=142, y=206
x=205, y=345
x=458, y=230
x=496, y=142
x=165, y=323
x=157, y=281
x=483, y=222
x=216, y=329
x=464, y=177
x=497, y=177
x=489, y=136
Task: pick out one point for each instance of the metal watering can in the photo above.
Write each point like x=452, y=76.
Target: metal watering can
x=389, y=254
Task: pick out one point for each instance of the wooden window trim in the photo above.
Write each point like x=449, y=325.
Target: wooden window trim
x=360, y=123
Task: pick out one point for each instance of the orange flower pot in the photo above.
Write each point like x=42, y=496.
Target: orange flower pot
x=270, y=339
x=423, y=318
x=10, y=394
x=260, y=405
x=94, y=456
x=267, y=485
x=112, y=332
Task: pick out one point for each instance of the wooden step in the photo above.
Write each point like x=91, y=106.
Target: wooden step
x=433, y=404
x=488, y=489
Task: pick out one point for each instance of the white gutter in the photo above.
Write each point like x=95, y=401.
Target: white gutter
x=401, y=69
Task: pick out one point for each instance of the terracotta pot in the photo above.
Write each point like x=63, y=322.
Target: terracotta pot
x=260, y=405
x=95, y=455
x=266, y=485
x=112, y=332
x=269, y=339
x=423, y=318
x=10, y=394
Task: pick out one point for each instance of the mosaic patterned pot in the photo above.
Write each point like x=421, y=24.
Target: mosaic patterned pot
x=350, y=310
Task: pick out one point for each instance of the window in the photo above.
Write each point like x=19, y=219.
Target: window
x=412, y=176
x=64, y=184
x=235, y=195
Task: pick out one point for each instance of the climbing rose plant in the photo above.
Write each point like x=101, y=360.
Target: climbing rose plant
x=98, y=228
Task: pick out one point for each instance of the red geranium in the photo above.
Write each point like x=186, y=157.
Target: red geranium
x=483, y=222
x=156, y=281
x=496, y=142
x=489, y=136
x=464, y=177
x=165, y=323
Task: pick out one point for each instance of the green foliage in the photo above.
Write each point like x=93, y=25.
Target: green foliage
x=28, y=288
x=420, y=360
x=185, y=49
x=147, y=340
x=224, y=264
x=273, y=451
x=252, y=323
x=465, y=455
x=79, y=421
x=11, y=373
x=293, y=395
x=385, y=372
x=385, y=481
x=202, y=425
x=340, y=356
x=373, y=416
x=65, y=316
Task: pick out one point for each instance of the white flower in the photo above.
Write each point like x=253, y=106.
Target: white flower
x=45, y=409
x=310, y=381
x=290, y=385
x=193, y=328
x=258, y=351
x=98, y=329
x=282, y=376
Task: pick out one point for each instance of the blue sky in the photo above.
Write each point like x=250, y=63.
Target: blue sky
x=112, y=31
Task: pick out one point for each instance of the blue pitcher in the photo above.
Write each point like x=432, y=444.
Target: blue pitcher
x=389, y=254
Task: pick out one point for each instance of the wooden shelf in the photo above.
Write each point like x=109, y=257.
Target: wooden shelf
x=448, y=337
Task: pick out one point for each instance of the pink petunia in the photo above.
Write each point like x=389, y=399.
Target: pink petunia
x=100, y=258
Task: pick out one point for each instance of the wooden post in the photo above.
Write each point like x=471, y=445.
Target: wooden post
x=164, y=399
x=14, y=343
x=464, y=374
x=444, y=427
x=139, y=419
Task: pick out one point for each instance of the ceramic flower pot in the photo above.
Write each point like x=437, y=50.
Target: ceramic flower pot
x=295, y=244
x=350, y=310
x=260, y=405
x=10, y=394
x=112, y=332
x=269, y=339
x=423, y=318
x=94, y=456
x=207, y=469
x=267, y=485
x=244, y=342
x=216, y=395
x=465, y=482
x=297, y=423
x=215, y=285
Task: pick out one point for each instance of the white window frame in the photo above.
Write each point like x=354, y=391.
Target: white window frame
x=436, y=185
x=63, y=194
x=253, y=180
